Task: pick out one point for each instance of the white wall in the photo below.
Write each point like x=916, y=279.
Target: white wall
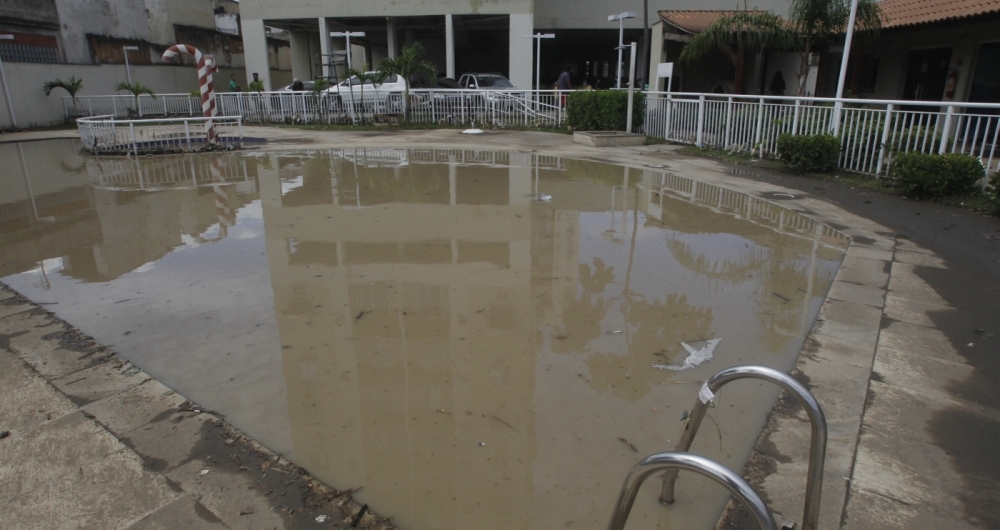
x=33, y=108
x=286, y=9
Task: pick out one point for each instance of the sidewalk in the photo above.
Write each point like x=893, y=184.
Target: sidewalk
x=93, y=442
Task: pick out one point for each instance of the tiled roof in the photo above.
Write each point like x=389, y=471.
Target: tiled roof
x=910, y=12
x=693, y=21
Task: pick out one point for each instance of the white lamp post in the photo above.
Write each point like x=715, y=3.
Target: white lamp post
x=620, y=17
x=348, y=35
x=838, y=105
x=128, y=72
x=538, y=59
x=6, y=91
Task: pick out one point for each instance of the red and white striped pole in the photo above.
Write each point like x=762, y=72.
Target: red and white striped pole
x=206, y=67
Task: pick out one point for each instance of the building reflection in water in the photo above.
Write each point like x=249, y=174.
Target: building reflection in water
x=475, y=358
x=472, y=357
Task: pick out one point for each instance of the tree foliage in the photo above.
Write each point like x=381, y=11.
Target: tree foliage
x=71, y=86
x=407, y=64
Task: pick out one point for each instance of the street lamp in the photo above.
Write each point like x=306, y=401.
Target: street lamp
x=348, y=35
x=127, y=71
x=538, y=60
x=6, y=91
x=620, y=17
x=838, y=105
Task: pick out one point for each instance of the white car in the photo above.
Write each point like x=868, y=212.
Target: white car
x=389, y=93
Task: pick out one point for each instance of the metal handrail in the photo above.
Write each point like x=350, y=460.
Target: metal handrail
x=674, y=462
x=817, y=449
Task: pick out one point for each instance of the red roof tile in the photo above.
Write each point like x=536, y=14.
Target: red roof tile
x=910, y=12
x=693, y=21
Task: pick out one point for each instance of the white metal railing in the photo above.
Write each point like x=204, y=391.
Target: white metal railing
x=872, y=132
x=128, y=106
x=106, y=134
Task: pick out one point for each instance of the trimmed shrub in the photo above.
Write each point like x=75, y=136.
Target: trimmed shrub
x=993, y=191
x=604, y=110
x=812, y=153
x=924, y=175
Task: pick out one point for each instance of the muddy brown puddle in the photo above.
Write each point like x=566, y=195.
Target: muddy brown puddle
x=469, y=336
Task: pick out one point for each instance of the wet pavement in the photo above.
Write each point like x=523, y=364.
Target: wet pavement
x=423, y=322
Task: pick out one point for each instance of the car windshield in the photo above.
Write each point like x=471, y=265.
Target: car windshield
x=494, y=81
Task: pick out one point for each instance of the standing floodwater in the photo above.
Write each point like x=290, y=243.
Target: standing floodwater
x=469, y=336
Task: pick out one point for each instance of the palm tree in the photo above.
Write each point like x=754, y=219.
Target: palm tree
x=71, y=85
x=817, y=22
x=136, y=90
x=407, y=64
x=747, y=29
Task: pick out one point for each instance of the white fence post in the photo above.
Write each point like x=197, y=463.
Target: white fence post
x=135, y=145
x=795, y=117
x=187, y=133
x=701, y=121
x=885, y=139
x=729, y=121
x=946, y=130
x=759, y=131
x=666, y=127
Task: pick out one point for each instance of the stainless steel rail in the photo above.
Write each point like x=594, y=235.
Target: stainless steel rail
x=817, y=450
x=674, y=462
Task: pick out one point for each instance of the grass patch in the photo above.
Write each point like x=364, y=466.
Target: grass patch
x=975, y=201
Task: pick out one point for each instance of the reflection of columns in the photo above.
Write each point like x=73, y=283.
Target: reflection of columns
x=27, y=181
x=270, y=183
x=519, y=70
x=255, y=50
x=449, y=45
x=453, y=179
x=520, y=178
x=325, y=45
x=390, y=29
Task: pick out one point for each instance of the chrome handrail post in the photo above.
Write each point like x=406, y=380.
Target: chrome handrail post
x=674, y=462
x=817, y=448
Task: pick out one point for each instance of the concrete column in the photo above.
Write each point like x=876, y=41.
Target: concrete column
x=656, y=56
x=301, y=56
x=390, y=28
x=449, y=45
x=255, y=50
x=325, y=45
x=521, y=24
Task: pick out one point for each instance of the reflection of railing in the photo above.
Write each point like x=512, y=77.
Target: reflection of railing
x=160, y=172
x=749, y=207
x=106, y=134
x=674, y=462
x=817, y=450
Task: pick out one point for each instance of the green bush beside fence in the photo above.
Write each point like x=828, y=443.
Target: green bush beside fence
x=603, y=110
x=923, y=175
x=813, y=153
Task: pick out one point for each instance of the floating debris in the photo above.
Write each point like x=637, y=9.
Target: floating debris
x=321, y=519
x=472, y=131
x=694, y=358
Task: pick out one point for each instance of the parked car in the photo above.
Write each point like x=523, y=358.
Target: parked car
x=386, y=95
x=306, y=85
x=489, y=81
x=497, y=90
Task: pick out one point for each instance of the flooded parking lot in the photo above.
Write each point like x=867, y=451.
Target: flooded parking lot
x=469, y=336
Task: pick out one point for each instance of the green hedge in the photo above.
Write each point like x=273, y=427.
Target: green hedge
x=993, y=192
x=813, y=153
x=924, y=175
x=604, y=110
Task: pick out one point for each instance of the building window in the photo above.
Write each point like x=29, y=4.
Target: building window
x=30, y=48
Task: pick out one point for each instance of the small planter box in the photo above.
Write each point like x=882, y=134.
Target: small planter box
x=608, y=138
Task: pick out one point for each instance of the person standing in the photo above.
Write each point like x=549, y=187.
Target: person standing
x=564, y=83
x=778, y=84
x=233, y=86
